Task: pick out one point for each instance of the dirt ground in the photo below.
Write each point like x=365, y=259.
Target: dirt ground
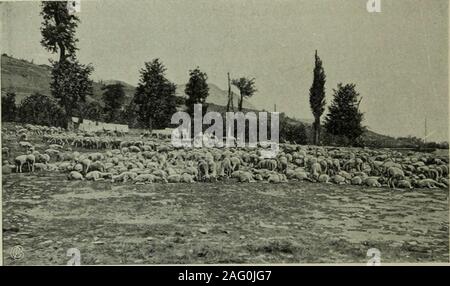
x=225, y=222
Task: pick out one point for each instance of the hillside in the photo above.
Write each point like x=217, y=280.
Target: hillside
x=216, y=96
x=25, y=78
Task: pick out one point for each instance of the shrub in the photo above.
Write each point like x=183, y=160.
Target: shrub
x=41, y=110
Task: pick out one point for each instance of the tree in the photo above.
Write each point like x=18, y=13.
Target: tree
x=230, y=103
x=70, y=84
x=69, y=79
x=58, y=29
x=155, y=97
x=246, y=88
x=9, y=107
x=113, y=97
x=41, y=110
x=317, y=97
x=344, y=118
x=292, y=131
x=89, y=110
x=129, y=115
x=197, y=91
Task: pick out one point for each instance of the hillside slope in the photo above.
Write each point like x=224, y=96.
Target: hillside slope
x=216, y=96
x=25, y=78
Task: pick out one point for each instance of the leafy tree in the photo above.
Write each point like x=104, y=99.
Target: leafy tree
x=58, y=29
x=113, y=97
x=292, y=131
x=70, y=84
x=317, y=97
x=89, y=110
x=155, y=97
x=129, y=115
x=70, y=81
x=197, y=90
x=41, y=110
x=9, y=107
x=246, y=88
x=344, y=118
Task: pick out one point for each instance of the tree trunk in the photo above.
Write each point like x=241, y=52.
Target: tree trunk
x=62, y=55
x=318, y=132
x=62, y=48
x=229, y=94
x=316, y=127
x=240, y=102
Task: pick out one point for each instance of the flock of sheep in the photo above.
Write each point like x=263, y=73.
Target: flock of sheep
x=146, y=160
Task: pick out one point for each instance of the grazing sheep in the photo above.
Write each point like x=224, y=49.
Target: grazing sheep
x=25, y=145
x=258, y=177
x=175, y=178
x=78, y=167
x=19, y=162
x=5, y=151
x=187, y=178
x=403, y=184
x=97, y=166
x=235, y=163
x=394, y=173
x=357, y=180
x=277, y=178
x=428, y=183
x=7, y=169
x=316, y=170
x=268, y=164
x=324, y=178
x=245, y=177
x=282, y=164
x=338, y=179
x=226, y=167
x=86, y=164
x=74, y=175
x=42, y=158
x=40, y=167
x=53, y=152
x=372, y=182
x=203, y=170
x=124, y=177
x=134, y=149
x=55, y=146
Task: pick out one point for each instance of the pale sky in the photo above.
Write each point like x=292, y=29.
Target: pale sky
x=398, y=58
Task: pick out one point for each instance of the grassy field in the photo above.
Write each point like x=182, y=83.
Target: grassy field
x=225, y=222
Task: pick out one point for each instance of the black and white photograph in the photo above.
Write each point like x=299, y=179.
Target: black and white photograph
x=226, y=132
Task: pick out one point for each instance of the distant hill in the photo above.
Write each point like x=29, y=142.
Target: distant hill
x=217, y=96
x=25, y=78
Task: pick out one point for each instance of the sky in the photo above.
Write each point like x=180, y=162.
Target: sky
x=397, y=58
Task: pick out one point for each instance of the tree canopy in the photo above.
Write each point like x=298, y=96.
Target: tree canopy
x=9, y=106
x=70, y=84
x=41, y=110
x=317, y=96
x=246, y=88
x=197, y=90
x=155, y=98
x=113, y=97
x=58, y=29
x=344, y=118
